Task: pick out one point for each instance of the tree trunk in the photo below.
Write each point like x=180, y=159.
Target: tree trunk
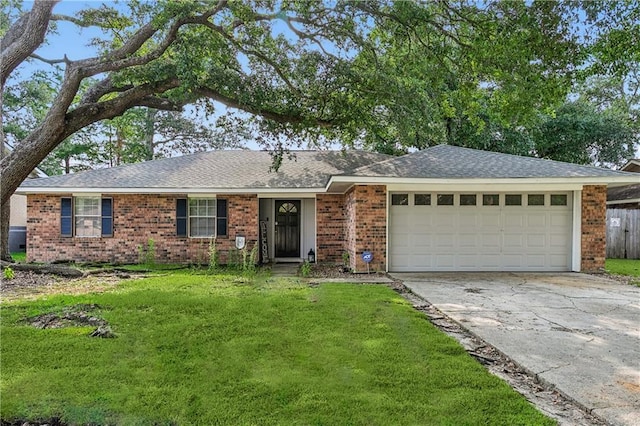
x=149, y=132
x=5, y=253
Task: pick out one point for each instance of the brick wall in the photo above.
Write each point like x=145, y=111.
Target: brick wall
x=366, y=225
x=330, y=219
x=350, y=237
x=594, y=229
x=137, y=218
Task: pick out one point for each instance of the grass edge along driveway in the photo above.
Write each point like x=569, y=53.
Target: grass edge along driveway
x=202, y=349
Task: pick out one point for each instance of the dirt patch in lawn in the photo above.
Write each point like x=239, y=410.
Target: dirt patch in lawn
x=28, y=285
x=321, y=270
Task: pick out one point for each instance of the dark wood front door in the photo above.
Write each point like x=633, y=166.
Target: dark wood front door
x=287, y=228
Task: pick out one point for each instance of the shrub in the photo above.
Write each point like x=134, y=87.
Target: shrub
x=213, y=256
x=305, y=269
x=8, y=273
x=147, y=254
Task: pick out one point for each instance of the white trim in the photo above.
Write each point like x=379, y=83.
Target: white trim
x=484, y=188
x=290, y=195
x=566, y=181
x=214, y=196
x=629, y=201
x=308, y=192
x=633, y=161
x=87, y=194
x=576, y=239
x=386, y=261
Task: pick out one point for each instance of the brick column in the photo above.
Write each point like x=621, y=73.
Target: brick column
x=366, y=226
x=594, y=228
x=330, y=227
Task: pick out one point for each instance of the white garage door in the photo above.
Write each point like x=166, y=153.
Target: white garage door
x=480, y=232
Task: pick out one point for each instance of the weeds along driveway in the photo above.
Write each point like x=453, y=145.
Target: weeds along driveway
x=578, y=332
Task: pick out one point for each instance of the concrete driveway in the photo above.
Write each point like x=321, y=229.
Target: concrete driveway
x=578, y=332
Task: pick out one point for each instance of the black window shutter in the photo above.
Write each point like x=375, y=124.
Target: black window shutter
x=107, y=217
x=221, y=217
x=181, y=217
x=66, y=217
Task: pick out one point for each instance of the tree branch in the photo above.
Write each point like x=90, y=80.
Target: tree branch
x=271, y=115
x=24, y=37
x=51, y=61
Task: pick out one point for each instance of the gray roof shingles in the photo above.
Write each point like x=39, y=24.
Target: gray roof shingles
x=219, y=169
x=621, y=193
x=243, y=169
x=453, y=162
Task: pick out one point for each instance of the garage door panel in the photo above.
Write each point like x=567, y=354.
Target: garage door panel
x=489, y=241
x=490, y=220
x=559, y=220
x=536, y=260
x=536, y=240
x=475, y=238
x=513, y=240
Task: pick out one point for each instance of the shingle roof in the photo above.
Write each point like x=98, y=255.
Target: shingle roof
x=453, y=162
x=243, y=169
x=620, y=193
x=218, y=169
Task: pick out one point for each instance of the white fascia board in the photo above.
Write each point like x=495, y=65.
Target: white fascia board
x=631, y=200
x=310, y=192
x=484, y=187
x=569, y=183
x=292, y=195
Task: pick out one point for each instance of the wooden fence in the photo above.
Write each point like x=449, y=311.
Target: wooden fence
x=623, y=233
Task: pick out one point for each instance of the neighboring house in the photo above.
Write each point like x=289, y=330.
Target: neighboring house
x=444, y=208
x=626, y=197
x=18, y=218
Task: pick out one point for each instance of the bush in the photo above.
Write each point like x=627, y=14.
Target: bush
x=147, y=254
x=8, y=273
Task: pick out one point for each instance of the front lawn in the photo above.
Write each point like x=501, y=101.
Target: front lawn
x=198, y=349
x=630, y=267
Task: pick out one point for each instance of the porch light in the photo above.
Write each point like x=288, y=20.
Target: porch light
x=311, y=256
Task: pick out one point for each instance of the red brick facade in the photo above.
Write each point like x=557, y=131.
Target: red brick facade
x=330, y=225
x=594, y=227
x=137, y=218
x=351, y=222
x=366, y=226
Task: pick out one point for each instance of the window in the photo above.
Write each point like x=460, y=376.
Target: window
x=513, y=200
x=467, y=199
x=536, y=199
x=558, y=199
x=86, y=217
x=445, y=199
x=422, y=199
x=490, y=199
x=201, y=217
x=399, y=199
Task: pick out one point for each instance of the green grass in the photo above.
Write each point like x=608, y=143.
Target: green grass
x=629, y=267
x=199, y=349
x=19, y=256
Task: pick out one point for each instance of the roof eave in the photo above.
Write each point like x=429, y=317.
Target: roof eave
x=182, y=190
x=627, y=201
x=574, y=181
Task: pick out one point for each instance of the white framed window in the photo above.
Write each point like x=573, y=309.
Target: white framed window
x=86, y=216
x=200, y=217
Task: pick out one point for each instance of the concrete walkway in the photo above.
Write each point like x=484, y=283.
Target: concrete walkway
x=577, y=332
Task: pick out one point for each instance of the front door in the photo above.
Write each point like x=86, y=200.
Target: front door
x=287, y=228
